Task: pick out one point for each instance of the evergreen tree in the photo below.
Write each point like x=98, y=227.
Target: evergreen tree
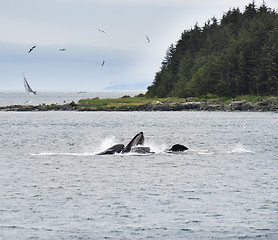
x=237, y=55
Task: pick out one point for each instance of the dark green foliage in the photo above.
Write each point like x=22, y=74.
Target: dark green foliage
x=236, y=56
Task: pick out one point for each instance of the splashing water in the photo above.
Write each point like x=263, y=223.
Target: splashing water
x=155, y=147
x=108, y=142
x=239, y=148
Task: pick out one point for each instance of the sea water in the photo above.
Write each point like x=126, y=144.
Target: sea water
x=53, y=186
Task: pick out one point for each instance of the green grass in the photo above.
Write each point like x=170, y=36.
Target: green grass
x=127, y=102
x=137, y=101
x=113, y=102
x=255, y=98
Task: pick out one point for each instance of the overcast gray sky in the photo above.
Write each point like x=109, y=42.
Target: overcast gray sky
x=130, y=61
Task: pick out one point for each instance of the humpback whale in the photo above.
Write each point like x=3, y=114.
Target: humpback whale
x=136, y=146
x=131, y=146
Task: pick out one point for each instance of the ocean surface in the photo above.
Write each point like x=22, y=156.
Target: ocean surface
x=53, y=186
x=21, y=98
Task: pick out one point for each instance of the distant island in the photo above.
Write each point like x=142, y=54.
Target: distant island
x=142, y=103
x=237, y=55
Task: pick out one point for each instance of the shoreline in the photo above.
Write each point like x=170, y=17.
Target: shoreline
x=235, y=105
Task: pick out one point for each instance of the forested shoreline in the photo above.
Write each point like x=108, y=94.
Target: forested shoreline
x=237, y=55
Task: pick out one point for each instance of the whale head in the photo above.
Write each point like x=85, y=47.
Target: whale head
x=137, y=140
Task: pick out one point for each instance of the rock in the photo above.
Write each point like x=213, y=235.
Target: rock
x=140, y=95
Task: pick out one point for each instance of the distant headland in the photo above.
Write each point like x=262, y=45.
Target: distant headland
x=142, y=103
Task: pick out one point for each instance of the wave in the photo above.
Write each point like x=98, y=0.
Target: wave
x=61, y=154
x=200, y=152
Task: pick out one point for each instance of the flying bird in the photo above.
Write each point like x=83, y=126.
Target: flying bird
x=31, y=49
x=148, y=39
x=62, y=49
x=102, y=31
x=101, y=65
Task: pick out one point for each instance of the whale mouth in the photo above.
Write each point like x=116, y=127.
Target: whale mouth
x=137, y=140
x=140, y=139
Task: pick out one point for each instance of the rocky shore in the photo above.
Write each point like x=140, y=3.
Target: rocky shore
x=270, y=105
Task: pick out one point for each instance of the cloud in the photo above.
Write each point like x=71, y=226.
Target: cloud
x=74, y=24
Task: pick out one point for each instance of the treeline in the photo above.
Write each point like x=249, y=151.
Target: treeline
x=237, y=55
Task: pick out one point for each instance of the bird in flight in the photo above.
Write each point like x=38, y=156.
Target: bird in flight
x=62, y=49
x=102, y=31
x=148, y=39
x=31, y=49
x=102, y=64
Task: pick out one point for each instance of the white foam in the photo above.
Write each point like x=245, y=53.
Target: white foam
x=239, y=148
x=198, y=152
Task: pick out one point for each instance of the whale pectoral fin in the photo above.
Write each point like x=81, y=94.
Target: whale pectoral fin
x=112, y=150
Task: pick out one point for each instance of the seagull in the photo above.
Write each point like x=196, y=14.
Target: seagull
x=102, y=31
x=31, y=49
x=62, y=49
x=101, y=65
x=148, y=39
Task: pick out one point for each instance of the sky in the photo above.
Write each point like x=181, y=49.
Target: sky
x=130, y=61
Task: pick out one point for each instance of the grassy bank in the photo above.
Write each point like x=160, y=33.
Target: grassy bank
x=137, y=101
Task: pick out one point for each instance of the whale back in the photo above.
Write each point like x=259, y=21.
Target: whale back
x=178, y=148
x=112, y=150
